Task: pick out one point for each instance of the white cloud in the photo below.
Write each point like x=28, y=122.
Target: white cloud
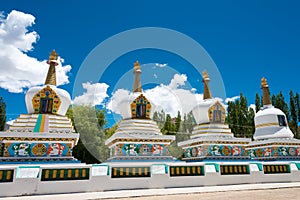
x=169, y=97
x=230, y=99
x=161, y=65
x=18, y=70
x=94, y=95
x=155, y=75
x=118, y=97
x=193, y=90
x=178, y=80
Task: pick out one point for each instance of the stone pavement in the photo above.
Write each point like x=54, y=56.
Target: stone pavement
x=252, y=191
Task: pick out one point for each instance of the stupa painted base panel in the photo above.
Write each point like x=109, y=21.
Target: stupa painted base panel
x=274, y=149
x=214, y=142
x=139, y=140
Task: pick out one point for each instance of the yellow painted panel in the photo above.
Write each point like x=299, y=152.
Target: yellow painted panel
x=47, y=174
x=54, y=174
x=188, y=170
x=194, y=170
x=69, y=173
x=182, y=170
x=76, y=173
x=199, y=170
x=172, y=171
x=61, y=173
x=8, y=175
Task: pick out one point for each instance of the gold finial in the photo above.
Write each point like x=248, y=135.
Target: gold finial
x=205, y=75
x=53, y=55
x=137, y=66
x=51, y=75
x=266, y=92
x=137, y=81
x=205, y=80
x=264, y=82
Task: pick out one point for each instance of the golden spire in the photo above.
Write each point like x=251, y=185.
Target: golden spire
x=205, y=80
x=266, y=92
x=51, y=75
x=53, y=55
x=137, y=81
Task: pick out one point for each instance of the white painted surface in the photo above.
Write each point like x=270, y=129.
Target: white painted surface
x=268, y=115
x=30, y=186
x=63, y=95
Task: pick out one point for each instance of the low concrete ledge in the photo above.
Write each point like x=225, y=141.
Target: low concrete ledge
x=67, y=178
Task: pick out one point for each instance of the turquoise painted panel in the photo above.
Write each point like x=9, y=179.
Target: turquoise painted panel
x=140, y=150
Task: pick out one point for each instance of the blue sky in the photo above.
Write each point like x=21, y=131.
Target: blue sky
x=246, y=39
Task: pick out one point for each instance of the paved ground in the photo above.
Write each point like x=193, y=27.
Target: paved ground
x=269, y=191
x=270, y=194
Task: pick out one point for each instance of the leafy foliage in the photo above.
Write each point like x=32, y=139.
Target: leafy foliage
x=89, y=122
x=2, y=114
x=240, y=118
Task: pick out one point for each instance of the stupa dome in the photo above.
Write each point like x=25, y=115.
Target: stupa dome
x=203, y=111
x=48, y=99
x=60, y=98
x=270, y=122
x=136, y=105
x=210, y=110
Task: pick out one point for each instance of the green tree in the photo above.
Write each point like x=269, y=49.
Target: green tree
x=89, y=122
x=169, y=126
x=240, y=118
x=297, y=105
x=110, y=131
x=282, y=105
x=178, y=122
x=257, y=102
x=293, y=122
x=2, y=114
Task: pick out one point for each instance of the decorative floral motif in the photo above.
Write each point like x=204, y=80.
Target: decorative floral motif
x=39, y=149
x=292, y=151
x=226, y=151
x=259, y=153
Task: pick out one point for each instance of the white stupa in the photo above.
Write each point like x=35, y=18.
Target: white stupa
x=211, y=137
x=138, y=137
x=44, y=133
x=273, y=138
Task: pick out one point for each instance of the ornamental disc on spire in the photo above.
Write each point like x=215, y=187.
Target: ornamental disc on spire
x=137, y=81
x=51, y=75
x=266, y=92
x=205, y=80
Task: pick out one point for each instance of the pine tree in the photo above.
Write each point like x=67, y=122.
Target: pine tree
x=293, y=123
x=169, y=127
x=282, y=105
x=2, y=114
x=240, y=118
x=257, y=102
x=297, y=105
x=178, y=122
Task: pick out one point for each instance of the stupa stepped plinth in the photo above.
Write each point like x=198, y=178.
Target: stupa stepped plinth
x=273, y=139
x=212, y=138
